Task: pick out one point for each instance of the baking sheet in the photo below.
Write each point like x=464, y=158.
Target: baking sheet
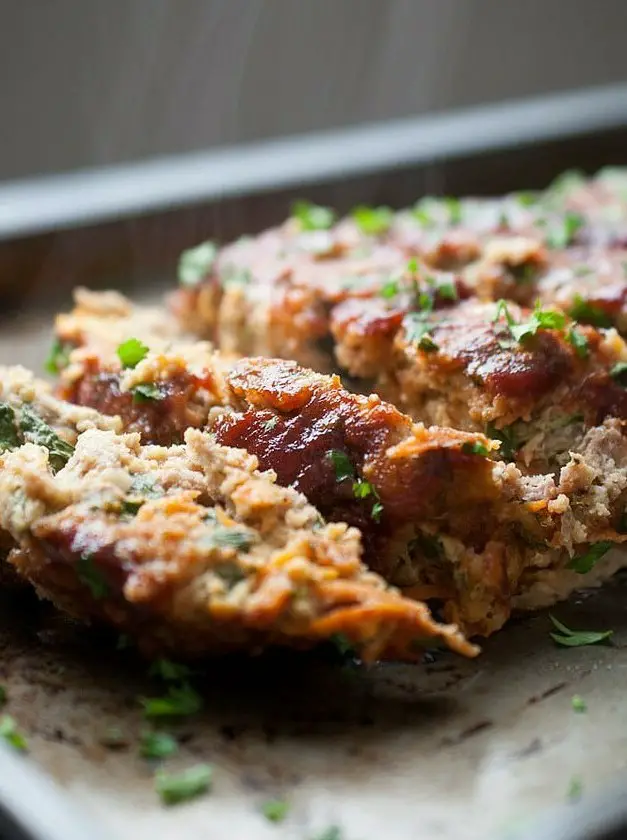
x=449, y=749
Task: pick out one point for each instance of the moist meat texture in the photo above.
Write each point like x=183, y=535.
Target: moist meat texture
x=438, y=514
x=29, y=412
x=193, y=551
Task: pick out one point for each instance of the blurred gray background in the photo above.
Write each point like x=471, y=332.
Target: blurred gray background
x=85, y=83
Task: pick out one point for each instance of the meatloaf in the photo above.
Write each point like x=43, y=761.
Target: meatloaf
x=192, y=550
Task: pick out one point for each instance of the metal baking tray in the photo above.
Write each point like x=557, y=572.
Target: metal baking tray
x=490, y=748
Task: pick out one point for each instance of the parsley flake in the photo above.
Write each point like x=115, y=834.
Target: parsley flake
x=196, y=263
x=92, y=577
x=157, y=745
x=577, y=638
x=9, y=438
x=180, y=701
x=427, y=344
x=454, y=209
x=275, y=810
x=224, y=536
x=373, y=221
x=36, y=431
x=507, y=437
x=389, y=289
x=416, y=329
x=575, y=789
x=146, y=392
x=586, y=562
x=579, y=704
x=617, y=372
x=342, y=464
x=270, y=424
x=564, y=232
x=58, y=357
x=448, y=291
x=312, y=216
x=332, y=833
x=173, y=788
x=131, y=352
x=11, y=734
x=475, y=448
x=579, y=342
x=588, y=313
x=546, y=319
x=376, y=512
x=362, y=489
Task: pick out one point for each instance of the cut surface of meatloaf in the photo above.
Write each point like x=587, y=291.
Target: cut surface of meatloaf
x=30, y=412
x=436, y=512
x=192, y=551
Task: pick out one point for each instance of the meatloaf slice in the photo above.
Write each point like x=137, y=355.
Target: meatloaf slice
x=191, y=550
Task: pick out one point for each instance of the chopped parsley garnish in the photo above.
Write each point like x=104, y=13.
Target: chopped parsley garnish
x=131, y=352
x=619, y=373
x=92, y=577
x=157, y=745
x=427, y=344
x=507, y=436
x=417, y=331
x=586, y=562
x=130, y=507
x=577, y=638
x=332, y=833
x=564, y=231
x=343, y=644
x=575, y=788
x=36, y=431
x=270, y=424
x=454, y=209
x=362, y=489
x=526, y=199
x=390, y=289
x=180, y=701
x=341, y=463
x=224, y=536
x=179, y=787
x=145, y=485
x=546, y=319
x=235, y=275
x=312, y=216
x=475, y=448
x=11, y=734
x=377, y=511
x=169, y=671
x=58, y=357
x=587, y=313
x=9, y=438
x=196, y=263
x=230, y=573
x=412, y=265
x=373, y=221
x=146, y=392
x=448, y=291
x=425, y=544
x=579, y=342
x=275, y=810
x=579, y=704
